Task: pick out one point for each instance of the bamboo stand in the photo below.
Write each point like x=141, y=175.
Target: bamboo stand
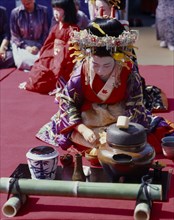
x=80, y=189
x=77, y=189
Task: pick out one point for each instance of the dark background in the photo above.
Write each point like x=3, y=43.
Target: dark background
x=140, y=12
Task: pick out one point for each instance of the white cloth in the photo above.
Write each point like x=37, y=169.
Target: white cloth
x=22, y=58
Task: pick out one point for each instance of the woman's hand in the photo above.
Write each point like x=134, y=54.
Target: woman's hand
x=87, y=133
x=33, y=50
x=2, y=54
x=3, y=49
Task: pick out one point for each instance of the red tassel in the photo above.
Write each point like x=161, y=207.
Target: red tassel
x=101, y=12
x=112, y=12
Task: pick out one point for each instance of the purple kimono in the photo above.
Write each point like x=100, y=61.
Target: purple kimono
x=77, y=97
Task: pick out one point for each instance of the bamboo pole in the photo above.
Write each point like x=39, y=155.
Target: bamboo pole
x=81, y=189
x=142, y=211
x=12, y=205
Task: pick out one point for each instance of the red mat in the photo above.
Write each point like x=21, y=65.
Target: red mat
x=5, y=73
x=23, y=113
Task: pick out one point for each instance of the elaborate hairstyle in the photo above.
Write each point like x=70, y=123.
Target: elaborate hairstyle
x=70, y=12
x=104, y=37
x=110, y=27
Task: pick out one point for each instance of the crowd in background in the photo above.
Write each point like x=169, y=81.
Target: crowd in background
x=18, y=45
x=17, y=41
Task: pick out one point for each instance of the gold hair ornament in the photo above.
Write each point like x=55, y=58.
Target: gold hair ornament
x=97, y=26
x=84, y=43
x=87, y=40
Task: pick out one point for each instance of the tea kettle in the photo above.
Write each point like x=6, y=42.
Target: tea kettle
x=126, y=151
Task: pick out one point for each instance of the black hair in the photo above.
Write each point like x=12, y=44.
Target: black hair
x=70, y=12
x=111, y=27
x=122, y=5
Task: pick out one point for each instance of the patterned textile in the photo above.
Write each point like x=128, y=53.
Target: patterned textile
x=154, y=99
x=58, y=131
x=165, y=21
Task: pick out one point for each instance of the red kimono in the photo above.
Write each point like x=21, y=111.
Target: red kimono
x=54, y=64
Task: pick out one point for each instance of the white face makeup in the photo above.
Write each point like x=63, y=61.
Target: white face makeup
x=102, y=66
x=102, y=4
x=58, y=14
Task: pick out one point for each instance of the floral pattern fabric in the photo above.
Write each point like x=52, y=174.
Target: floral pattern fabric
x=165, y=21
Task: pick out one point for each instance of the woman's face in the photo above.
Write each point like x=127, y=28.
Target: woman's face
x=102, y=66
x=102, y=4
x=58, y=14
x=28, y=4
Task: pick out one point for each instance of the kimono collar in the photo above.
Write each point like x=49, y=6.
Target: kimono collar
x=112, y=82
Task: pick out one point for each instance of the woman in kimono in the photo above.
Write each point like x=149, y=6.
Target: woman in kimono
x=104, y=85
x=106, y=5
x=55, y=64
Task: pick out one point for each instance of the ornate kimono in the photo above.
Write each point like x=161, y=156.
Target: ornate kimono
x=54, y=64
x=96, y=104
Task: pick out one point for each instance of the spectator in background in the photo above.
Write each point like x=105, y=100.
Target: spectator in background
x=106, y=6
x=95, y=6
x=29, y=29
x=54, y=64
x=82, y=18
x=165, y=23
x=6, y=56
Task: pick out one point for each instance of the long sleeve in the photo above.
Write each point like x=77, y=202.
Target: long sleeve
x=71, y=100
x=58, y=131
x=135, y=108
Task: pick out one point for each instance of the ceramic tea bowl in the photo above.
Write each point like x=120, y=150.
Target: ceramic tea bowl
x=168, y=147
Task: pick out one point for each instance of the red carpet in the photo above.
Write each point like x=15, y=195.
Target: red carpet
x=5, y=73
x=23, y=113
